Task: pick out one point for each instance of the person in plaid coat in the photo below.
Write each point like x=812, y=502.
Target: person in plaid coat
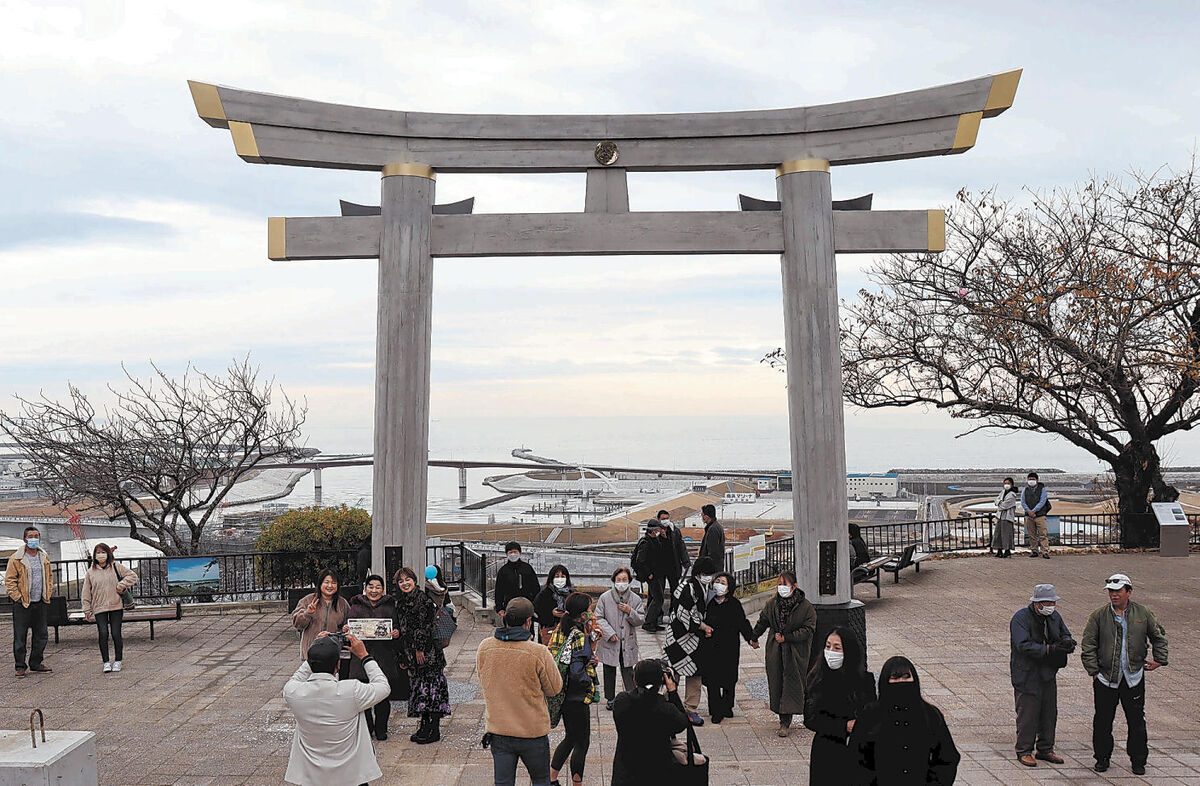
x=573, y=639
x=686, y=629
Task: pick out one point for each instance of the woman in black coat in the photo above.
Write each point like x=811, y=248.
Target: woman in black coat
x=839, y=688
x=549, y=604
x=902, y=739
x=721, y=651
x=646, y=721
x=374, y=604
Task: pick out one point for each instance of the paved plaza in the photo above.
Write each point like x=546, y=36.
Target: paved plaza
x=202, y=703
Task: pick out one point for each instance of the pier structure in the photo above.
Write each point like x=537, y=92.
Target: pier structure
x=801, y=145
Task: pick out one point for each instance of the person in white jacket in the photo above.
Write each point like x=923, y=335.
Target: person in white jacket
x=619, y=613
x=332, y=746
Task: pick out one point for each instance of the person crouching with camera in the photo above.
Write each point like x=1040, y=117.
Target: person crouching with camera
x=332, y=745
x=647, y=722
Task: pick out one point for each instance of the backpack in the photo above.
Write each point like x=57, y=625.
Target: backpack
x=578, y=682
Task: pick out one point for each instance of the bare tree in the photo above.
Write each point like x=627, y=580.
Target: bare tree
x=167, y=451
x=1078, y=316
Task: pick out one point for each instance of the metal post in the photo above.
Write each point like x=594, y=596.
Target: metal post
x=317, y=487
x=402, y=363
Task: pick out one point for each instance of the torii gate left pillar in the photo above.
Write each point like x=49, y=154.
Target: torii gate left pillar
x=402, y=359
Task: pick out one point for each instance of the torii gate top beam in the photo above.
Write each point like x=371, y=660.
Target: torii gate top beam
x=275, y=129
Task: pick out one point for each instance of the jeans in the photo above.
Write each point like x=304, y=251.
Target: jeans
x=106, y=621
x=577, y=737
x=1133, y=702
x=654, y=606
x=24, y=621
x=533, y=752
x=1037, y=717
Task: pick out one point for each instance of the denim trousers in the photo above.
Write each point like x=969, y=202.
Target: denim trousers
x=533, y=752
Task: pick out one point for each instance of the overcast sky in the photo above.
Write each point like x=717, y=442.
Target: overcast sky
x=130, y=231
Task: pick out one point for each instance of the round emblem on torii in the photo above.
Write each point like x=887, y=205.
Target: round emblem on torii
x=607, y=153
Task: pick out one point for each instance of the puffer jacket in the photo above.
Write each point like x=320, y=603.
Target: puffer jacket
x=1101, y=648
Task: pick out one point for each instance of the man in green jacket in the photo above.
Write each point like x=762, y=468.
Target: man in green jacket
x=1114, y=654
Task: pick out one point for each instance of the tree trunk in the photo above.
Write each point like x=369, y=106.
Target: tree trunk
x=1139, y=481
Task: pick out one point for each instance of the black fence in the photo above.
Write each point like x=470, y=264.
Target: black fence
x=780, y=555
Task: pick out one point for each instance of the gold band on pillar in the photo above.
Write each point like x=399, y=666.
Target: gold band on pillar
x=802, y=165
x=411, y=170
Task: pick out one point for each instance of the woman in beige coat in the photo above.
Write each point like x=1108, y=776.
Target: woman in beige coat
x=103, y=584
x=323, y=610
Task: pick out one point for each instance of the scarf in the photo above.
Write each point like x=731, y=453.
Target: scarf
x=787, y=605
x=519, y=633
x=560, y=595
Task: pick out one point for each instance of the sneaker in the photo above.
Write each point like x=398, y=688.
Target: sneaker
x=1101, y=765
x=116, y=665
x=608, y=705
x=107, y=667
x=41, y=668
x=20, y=673
x=1139, y=769
x=695, y=719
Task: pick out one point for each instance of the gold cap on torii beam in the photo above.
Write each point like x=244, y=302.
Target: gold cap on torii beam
x=937, y=230
x=802, y=165
x=411, y=170
x=276, y=238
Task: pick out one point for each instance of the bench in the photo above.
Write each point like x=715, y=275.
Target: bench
x=58, y=615
x=868, y=572
x=908, y=557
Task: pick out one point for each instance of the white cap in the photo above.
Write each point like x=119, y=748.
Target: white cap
x=1118, y=580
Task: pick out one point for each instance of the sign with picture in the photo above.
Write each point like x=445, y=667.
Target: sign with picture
x=370, y=628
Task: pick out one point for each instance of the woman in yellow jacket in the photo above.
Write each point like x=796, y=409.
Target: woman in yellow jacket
x=103, y=584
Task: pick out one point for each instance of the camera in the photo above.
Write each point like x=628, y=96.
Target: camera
x=668, y=670
x=343, y=642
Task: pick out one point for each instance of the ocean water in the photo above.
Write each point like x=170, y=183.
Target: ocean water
x=875, y=442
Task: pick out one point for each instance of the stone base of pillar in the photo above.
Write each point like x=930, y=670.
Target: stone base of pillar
x=852, y=615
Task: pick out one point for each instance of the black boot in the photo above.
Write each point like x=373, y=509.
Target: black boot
x=419, y=734
x=433, y=731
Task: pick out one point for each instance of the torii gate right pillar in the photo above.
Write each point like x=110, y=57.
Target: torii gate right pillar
x=814, y=390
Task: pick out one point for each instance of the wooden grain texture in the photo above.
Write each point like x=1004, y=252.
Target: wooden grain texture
x=402, y=357
x=814, y=377
x=596, y=234
x=866, y=144
x=951, y=99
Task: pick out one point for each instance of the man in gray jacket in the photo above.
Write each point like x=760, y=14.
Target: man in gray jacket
x=1039, y=644
x=1114, y=654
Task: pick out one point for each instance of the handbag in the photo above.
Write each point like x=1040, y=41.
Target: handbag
x=444, y=625
x=127, y=601
x=691, y=769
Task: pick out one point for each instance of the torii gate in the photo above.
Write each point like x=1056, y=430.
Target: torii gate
x=800, y=144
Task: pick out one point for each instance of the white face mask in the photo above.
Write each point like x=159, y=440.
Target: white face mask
x=621, y=585
x=1031, y=483
x=665, y=522
x=1046, y=611
x=834, y=659
x=705, y=580
x=514, y=557
x=784, y=591
x=720, y=589
x=560, y=582
x=1007, y=486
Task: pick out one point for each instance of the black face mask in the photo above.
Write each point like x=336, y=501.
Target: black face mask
x=901, y=695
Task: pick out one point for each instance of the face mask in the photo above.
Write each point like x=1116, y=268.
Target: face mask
x=665, y=522
x=560, y=582
x=1007, y=486
x=514, y=557
x=834, y=659
x=1046, y=611
x=1031, y=483
x=101, y=558
x=904, y=695
x=705, y=580
x=621, y=585
x=33, y=543
x=720, y=589
x=784, y=591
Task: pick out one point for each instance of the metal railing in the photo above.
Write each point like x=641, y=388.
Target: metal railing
x=780, y=556
x=475, y=572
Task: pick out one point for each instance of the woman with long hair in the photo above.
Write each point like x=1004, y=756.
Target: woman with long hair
x=419, y=654
x=791, y=620
x=374, y=603
x=322, y=610
x=901, y=739
x=839, y=688
x=1006, y=508
x=572, y=646
x=103, y=584
x=647, y=721
x=548, y=605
